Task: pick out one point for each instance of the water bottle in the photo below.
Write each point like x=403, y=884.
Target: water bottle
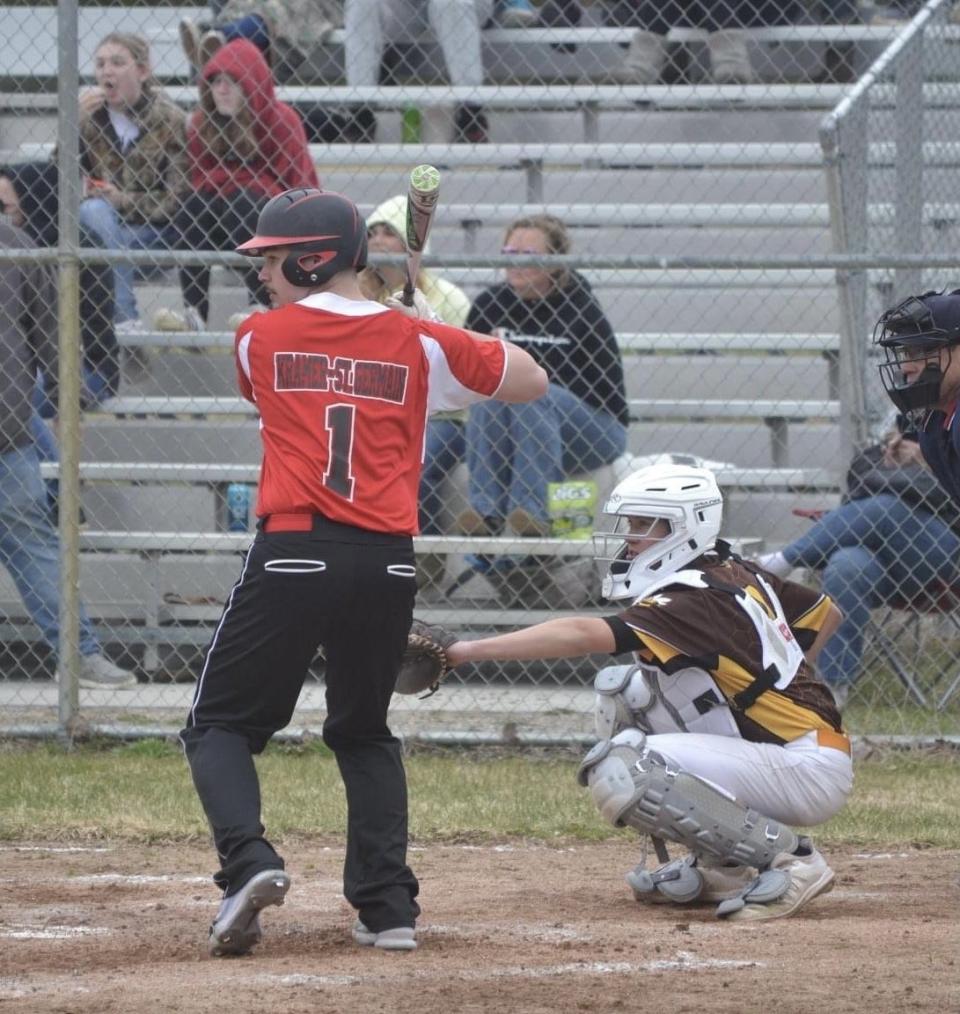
x=410, y=125
x=238, y=507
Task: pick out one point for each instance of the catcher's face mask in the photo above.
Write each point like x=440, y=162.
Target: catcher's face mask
x=917, y=336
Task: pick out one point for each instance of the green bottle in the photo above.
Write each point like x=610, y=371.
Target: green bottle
x=410, y=125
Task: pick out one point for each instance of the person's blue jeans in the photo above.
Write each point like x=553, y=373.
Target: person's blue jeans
x=513, y=451
x=29, y=548
x=97, y=388
x=872, y=551
x=445, y=448
x=102, y=219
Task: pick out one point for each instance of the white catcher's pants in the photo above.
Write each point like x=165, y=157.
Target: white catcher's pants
x=800, y=784
x=455, y=23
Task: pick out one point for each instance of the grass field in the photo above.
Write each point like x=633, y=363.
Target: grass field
x=142, y=792
x=106, y=865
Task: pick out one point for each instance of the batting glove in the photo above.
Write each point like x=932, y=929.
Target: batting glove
x=421, y=309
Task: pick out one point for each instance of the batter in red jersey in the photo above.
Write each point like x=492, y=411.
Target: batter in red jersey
x=343, y=386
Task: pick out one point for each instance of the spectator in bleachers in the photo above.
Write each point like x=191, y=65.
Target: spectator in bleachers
x=28, y=192
x=724, y=20
x=445, y=443
x=29, y=195
x=245, y=146
x=514, y=451
x=133, y=156
x=896, y=534
x=285, y=31
x=28, y=541
x=369, y=24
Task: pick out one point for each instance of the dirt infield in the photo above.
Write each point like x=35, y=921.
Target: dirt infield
x=508, y=928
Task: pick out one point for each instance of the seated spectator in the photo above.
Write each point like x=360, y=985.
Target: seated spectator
x=724, y=21
x=28, y=192
x=245, y=146
x=28, y=542
x=456, y=24
x=897, y=534
x=445, y=438
x=514, y=451
x=285, y=31
x=133, y=155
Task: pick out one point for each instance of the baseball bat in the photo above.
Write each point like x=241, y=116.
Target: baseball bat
x=422, y=199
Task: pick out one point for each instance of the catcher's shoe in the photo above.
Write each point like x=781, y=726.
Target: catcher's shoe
x=689, y=880
x=784, y=888
x=401, y=938
x=237, y=926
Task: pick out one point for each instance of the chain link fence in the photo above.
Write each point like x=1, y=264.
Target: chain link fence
x=692, y=213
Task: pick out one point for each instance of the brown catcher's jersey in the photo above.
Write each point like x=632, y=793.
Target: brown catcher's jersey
x=679, y=627
x=344, y=388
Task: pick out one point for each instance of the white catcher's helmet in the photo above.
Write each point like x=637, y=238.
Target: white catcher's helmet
x=688, y=498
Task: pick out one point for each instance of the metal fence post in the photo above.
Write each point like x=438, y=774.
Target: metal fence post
x=69, y=405
x=908, y=132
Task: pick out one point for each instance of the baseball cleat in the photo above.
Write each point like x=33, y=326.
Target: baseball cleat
x=684, y=881
x=401, y=938
x=790, y=883
x=237, y=926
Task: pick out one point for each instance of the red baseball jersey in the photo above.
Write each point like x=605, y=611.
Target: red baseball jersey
x=344, y=388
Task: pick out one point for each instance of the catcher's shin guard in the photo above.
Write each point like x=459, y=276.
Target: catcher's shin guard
x=633, y=786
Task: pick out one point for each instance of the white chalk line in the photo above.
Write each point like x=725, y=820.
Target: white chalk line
x=137, y=878
x=50, y=848
x=526, y=931
x=489, y=848
x=881, y=855
x=684, y=961
x=113, y=878
x=22, y=932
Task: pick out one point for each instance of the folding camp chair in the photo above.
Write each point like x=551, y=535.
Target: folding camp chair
x=940, y=599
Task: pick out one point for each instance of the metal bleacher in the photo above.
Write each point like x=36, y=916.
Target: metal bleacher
x=737, y=367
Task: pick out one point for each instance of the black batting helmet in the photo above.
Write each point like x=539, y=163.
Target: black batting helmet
x=912, y=331
x=311, y=222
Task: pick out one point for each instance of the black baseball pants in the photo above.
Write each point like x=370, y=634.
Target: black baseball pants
x=351, y=591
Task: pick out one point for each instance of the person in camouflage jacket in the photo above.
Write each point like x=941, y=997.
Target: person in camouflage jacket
x=133, y=153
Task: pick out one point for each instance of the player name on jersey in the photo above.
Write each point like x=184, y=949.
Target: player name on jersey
x=301, y=371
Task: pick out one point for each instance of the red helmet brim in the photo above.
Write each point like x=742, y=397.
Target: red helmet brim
x=267, y=242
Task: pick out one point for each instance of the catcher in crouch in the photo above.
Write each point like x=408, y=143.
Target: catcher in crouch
x=718, y=736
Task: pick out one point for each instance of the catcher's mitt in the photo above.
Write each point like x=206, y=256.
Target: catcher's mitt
x=425, y=661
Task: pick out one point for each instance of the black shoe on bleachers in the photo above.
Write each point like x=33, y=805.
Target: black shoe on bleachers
x=360, y=126
x=470, y=125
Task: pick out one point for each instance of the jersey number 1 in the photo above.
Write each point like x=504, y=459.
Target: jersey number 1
x=339, y=475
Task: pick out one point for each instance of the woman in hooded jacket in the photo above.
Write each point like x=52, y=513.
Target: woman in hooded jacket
x=244, y=146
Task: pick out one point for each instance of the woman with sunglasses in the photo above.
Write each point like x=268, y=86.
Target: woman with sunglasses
x=514, y=451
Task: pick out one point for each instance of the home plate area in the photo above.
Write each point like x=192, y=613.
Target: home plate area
x=506, y=927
